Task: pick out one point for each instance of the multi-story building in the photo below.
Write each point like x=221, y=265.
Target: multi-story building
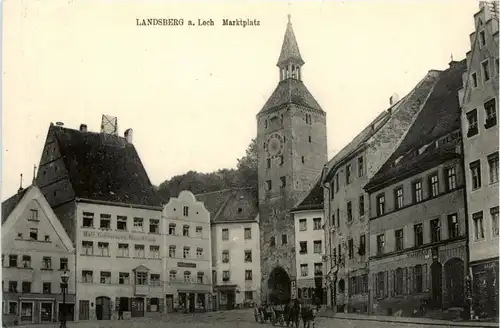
x=417, y=211
x=346, y=203
x=235, y=247
x=479, y=102
x=291, y=152
x=100, y=191
x=36, y=251
x=187, y=227
x=309, y=247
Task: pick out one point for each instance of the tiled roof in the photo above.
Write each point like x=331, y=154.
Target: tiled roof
x=313, y=199
x=360, y=139
x=104, y=168
x=439, y=116
x=290, y=48
x=10, y=204
x=231, y=205
x=291, y=91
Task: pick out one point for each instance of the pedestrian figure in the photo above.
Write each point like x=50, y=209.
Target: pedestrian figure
x=307, y=316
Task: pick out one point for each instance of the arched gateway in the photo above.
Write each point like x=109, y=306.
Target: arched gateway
x=279, y=286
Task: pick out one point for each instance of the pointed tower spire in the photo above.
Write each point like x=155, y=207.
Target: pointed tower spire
x=290, y=60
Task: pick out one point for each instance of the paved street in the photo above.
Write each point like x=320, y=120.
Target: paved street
x=231, y=319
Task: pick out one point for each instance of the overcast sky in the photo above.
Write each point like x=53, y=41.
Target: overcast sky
x=191, y=93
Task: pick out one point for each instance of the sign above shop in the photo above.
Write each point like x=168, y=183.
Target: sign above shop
x=186, y=265
x=119, y=236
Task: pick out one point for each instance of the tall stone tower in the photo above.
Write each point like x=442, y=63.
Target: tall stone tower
x=292, y=150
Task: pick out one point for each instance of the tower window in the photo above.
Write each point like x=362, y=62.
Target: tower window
x=268, y=163
x=283, y=182
x=310, y=140
x=282, y=160
x=303, y=159
x=269, y=185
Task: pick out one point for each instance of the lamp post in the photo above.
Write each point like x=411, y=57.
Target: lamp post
x=64, y=288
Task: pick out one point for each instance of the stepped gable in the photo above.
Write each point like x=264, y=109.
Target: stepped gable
x=439, y=116
x=104, y=170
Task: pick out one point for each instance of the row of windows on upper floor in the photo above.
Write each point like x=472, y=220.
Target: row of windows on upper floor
x=360, y=171
x=475, y=171
x=337, y=252
x=138, y=224
x=316, y=224
x=490, y=111
x=226, y=276
x=317, y=247
x=247, y=256
x=26, y=262
x=247, y=234
x=318, y=269
x=27, y=287
x=478, y=220
x=418, y=234
x=417, y=191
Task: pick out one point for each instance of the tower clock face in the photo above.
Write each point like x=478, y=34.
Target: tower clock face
x=275, y=145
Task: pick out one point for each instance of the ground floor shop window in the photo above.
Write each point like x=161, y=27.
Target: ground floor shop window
x=124, y=304
x=154, y=305
x=46, y=312
x=26, y=311
x=12, y=307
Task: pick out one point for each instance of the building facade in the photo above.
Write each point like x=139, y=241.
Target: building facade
x=119, y=261
x=291, y=151
x=235, y=247
x=98, y=188
x=479, y=102
x=309, y=247
x=36, y=251
x=188, y=261
x=417, y=212
x=346, y=204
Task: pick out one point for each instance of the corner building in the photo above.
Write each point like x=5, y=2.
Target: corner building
x=291, y=151
x=479, y=102
x=417, y=212
x=98, y=188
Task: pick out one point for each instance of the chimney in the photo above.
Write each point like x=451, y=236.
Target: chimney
x=393, y=99
x=128, y=135
x=453, y=63
x=83, y=128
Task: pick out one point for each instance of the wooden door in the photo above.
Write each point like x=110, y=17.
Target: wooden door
x=84, y=310
x=170, y=303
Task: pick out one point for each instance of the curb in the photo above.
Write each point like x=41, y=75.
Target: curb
x=444, y=323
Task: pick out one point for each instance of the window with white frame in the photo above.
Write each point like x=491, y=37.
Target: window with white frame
x=477, y=218
x=103, y=248
x=105, y=222
x=493, y=167
x=171, y=251
x=494, y=220
x=304, y=270
x=139, y=251
x=154, y=251
x=123, y=250
x=139, y=224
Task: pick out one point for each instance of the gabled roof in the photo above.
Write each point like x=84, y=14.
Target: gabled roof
x=231, y=205
x=439, y=116
x=10, y=204
x=104, y=168
x=23, y=200
x=290, y=91
x=290, y=48
x=360, y=139
x=313, y=200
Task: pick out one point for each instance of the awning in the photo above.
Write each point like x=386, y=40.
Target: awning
x=225, y=288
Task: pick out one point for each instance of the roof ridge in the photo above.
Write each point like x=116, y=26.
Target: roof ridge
x=223, y=190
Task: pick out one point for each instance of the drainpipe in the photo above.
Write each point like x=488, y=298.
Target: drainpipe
x=468, y=280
